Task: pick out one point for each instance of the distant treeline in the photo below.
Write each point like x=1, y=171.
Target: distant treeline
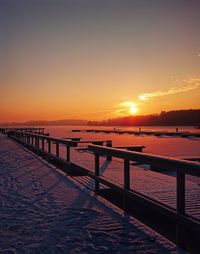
x=189, y=117
x=64, y=122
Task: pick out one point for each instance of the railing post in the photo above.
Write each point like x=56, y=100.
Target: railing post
x=126, y=174
x=180, y=205
x=96, y=172
x=109, y=144
x=126, y=180
x=68, y=153
x=180, y=192
x=43, y=144
x=57, y=149
x=49, y=146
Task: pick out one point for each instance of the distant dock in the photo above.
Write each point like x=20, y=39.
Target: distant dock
x=142, y=132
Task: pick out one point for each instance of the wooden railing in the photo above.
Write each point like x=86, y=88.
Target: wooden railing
x=36, y=130
x=37, y=142
x=182, y=167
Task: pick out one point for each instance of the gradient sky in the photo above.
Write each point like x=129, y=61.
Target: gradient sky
x=97, y=59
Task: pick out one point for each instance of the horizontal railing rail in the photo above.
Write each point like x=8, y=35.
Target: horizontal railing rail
x=38, y=130
x=40, y=136
x=188, y=167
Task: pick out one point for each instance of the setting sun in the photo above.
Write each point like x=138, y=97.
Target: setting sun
x=133, y=110
x=127, y=108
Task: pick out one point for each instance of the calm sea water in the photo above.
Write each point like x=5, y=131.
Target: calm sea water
x=163, y=145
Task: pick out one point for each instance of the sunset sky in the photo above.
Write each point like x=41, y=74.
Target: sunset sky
x=97, y=59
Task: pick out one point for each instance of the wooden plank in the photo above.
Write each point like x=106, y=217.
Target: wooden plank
x=137, y=148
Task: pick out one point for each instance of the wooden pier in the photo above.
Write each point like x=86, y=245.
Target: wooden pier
x=45, y=211
x=174, y=223
x=182, y=134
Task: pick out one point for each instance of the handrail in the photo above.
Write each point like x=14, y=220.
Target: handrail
x=33, y=138
x=182, y=167
x=48, y=138
x=188, y=167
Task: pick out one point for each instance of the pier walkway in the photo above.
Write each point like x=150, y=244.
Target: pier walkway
x=44, y=211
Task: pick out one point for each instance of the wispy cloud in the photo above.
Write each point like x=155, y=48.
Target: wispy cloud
x=127, y=104
x=187, y=85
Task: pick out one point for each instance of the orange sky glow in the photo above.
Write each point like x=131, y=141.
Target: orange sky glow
x=96, y=61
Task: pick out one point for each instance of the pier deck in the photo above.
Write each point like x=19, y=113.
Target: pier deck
x=43, y=211
x=173, y=220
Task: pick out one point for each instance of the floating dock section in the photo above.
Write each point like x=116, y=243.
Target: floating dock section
x=142, y=132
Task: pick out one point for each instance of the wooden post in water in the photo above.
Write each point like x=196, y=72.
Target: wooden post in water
x=96, y=172
x=109, y=144
x=180, y=205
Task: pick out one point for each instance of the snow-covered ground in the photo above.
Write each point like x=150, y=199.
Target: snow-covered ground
x=44, y=211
